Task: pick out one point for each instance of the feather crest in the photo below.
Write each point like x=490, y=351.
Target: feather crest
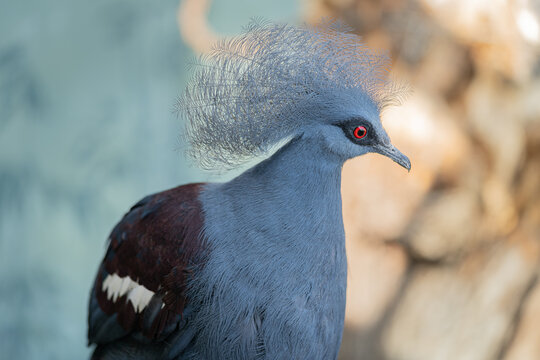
x=258, y=88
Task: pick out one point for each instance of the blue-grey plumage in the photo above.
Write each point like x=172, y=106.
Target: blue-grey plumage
x=261, y=271
x=277, y=261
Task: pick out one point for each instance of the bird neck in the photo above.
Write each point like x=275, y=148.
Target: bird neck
x=301, y=169
x=296, y=190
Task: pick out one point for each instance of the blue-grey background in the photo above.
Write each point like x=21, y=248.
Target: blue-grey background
x=87, y=90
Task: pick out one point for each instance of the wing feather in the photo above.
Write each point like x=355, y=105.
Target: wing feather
x=139, y=292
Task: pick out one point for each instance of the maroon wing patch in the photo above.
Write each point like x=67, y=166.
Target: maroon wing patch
x=140, y=286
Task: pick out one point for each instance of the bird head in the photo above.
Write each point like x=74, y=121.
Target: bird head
x=355, y=131
x=278, y=81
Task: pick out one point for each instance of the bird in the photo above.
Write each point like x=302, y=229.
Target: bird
x=254, y=267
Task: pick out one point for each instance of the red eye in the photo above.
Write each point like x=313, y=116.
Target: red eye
x=360, y=132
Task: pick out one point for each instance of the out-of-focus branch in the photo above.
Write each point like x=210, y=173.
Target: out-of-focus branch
x=193, y=25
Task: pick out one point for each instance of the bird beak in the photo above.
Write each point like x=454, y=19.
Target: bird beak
x=394, y=154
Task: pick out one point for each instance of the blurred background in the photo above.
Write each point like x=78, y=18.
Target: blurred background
x=443, y=261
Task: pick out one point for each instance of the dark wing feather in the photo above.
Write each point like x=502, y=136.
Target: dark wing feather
x=156, y=245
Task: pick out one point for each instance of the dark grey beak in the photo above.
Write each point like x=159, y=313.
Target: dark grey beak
x=394, y=154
